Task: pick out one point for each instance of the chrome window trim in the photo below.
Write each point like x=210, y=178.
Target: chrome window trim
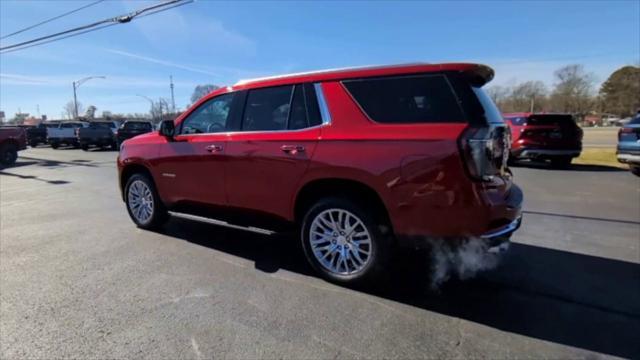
x=322, y=104
x=231, y=133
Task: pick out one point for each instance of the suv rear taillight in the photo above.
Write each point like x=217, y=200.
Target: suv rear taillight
x=486, y=151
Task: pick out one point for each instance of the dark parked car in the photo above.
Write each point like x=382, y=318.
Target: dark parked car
x=553, y=137
x=130, y=129
x=36, y=135
x=629, y=145
x=98, y=133
x=359, y=160
x=12, y=140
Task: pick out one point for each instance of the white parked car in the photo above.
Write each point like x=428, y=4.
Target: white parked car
x=65, y=134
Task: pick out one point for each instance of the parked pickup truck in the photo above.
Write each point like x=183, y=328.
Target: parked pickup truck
x=65, y=134
x=100, y=134
x=12, y=139
x=37, y=135
x=132, y=128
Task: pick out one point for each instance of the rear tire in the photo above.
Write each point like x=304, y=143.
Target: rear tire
x=55, y=145
x=635, y=170
x=33, y=143
x=561, y=162
x=85, y=147
x=145, y=207
x=8, y=154
x=353, y=249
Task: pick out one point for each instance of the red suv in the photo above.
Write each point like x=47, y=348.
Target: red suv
x=360, y=160
x=554, y=137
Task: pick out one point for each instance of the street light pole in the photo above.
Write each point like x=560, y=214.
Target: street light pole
x=150, y=102
x=76, y=85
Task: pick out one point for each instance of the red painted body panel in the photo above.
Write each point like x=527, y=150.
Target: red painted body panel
x=417, y=170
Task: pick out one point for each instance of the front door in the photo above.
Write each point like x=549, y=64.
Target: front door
x=192, y=164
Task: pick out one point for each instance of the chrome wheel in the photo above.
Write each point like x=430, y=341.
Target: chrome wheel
x=340, y=241
x=140, y=200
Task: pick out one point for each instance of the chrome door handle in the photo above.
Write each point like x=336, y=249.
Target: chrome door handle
x=292, y=149
x=214, y=148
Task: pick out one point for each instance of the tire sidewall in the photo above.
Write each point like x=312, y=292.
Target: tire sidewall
x=159, y=212
x=379, y=242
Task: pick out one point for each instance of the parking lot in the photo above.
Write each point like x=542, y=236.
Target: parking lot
x=77, y=279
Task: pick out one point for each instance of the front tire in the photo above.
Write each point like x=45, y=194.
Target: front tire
x=345, y=243
x=8, y=154
x=85, y=147
x=635, y=170
x=55, y=145
x=143, y=203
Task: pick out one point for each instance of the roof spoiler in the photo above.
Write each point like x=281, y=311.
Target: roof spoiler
x=478, y=75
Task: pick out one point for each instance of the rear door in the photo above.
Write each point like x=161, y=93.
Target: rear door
x=191, y=166
x=269, y=155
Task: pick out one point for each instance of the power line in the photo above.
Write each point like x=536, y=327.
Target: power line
x=92, y=27
x=51, y=19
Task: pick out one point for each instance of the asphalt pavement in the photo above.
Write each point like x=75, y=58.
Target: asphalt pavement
x=79, y=280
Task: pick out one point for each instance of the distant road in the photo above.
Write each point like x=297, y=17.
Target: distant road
x=600, y=137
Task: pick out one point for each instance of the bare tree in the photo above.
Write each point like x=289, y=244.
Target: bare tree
x=70, y=109
x=573, y=90
x=498, y=93
x=159, y=109
x=202, y=90
x=90, y=114
x=528, y=96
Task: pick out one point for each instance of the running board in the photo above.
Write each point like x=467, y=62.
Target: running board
x=221, y=223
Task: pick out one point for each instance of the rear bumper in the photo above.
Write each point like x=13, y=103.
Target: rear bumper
x=62, y=140
x=536, y=153
x=628, y=158
x=96, y=141
x=500, y=220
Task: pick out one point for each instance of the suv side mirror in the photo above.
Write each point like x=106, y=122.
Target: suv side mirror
x=167, y=128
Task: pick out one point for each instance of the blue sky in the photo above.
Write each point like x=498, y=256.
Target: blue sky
x=222, y=42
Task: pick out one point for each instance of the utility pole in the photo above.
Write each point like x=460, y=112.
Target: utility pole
x=533, y=101
x=173, y=100
x=76, y=85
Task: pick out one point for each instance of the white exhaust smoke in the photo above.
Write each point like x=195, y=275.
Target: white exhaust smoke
x=463, y=259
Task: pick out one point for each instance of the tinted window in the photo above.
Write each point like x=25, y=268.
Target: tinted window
x=210, y=117
x=411, y=99
x=137, y=126
x=71, y=125
x=101, y=125
x=298, y=117
x=635, y=121
x=518, y=121
x=550, y=119
x=313, y=109
x=267, y=109
x=491, y=112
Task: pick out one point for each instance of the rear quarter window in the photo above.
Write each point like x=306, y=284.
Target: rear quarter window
x=407, y=99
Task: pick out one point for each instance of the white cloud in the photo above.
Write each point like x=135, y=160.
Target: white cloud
x=161, y=62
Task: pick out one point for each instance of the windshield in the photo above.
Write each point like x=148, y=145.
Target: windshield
x=137, y=126
x=635, y=120
x=101, y=125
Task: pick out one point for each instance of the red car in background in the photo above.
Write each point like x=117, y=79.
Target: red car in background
x=541, y=136
x=358, y=160
x=12, y=139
